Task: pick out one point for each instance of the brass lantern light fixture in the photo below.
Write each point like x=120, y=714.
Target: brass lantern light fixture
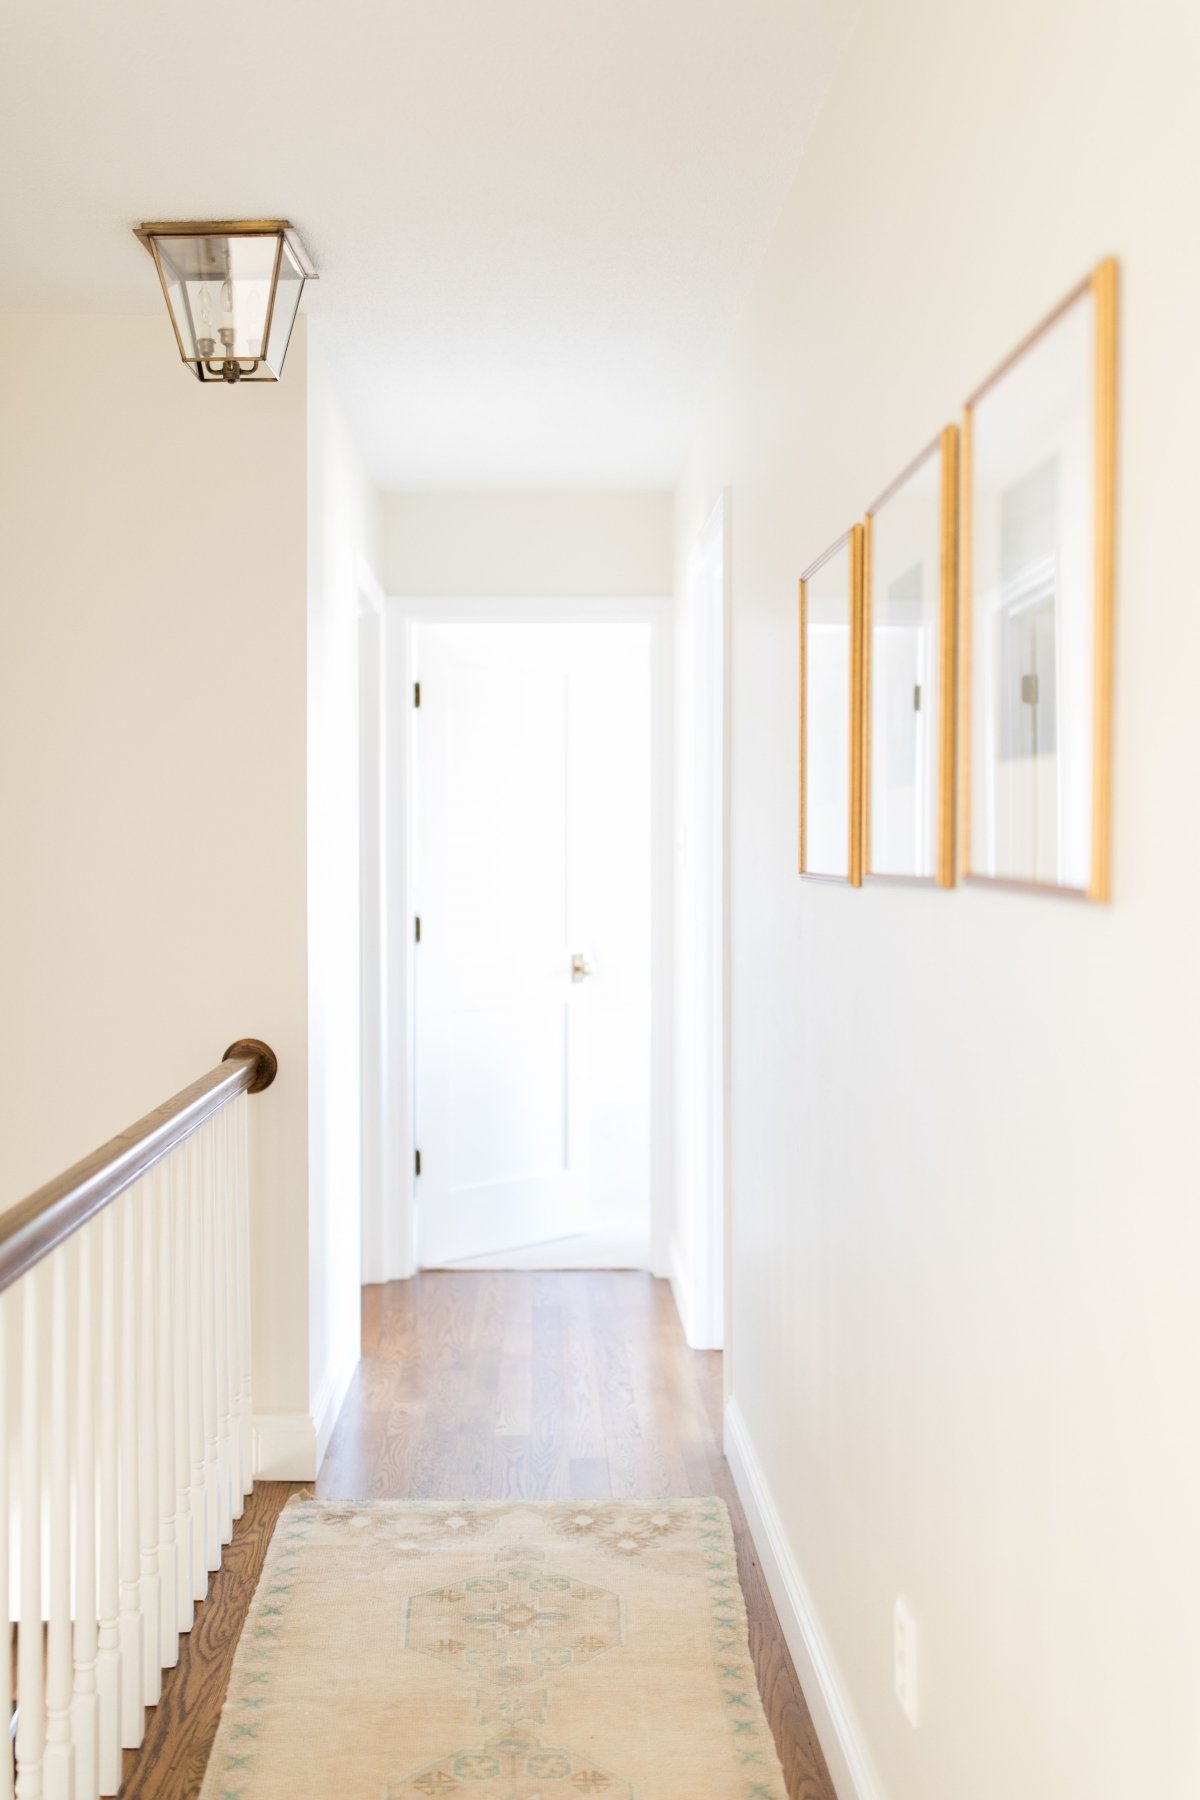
x=232, y=289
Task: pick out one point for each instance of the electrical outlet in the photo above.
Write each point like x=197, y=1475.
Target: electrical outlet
x=904, y=1657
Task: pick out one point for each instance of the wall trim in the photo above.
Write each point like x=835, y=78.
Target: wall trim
x=292, y=1446
x=837, y=1729
x=329, y=1401
x=681, y=1286
x=285, y=1447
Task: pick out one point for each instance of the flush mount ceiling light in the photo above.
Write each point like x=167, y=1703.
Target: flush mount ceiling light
x=232, y=289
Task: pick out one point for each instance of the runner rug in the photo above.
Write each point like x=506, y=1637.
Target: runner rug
x=398, y=1650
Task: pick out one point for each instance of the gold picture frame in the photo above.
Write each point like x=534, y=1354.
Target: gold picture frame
x=933, y=854
x=820, y=821
x=1074, y=774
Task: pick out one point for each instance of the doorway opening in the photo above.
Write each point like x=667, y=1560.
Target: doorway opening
x=527, y=867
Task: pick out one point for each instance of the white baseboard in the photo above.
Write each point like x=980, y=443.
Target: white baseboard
x=700, y=1333
x=837, y=1729
x=329, y=1401
x=285, y=1447
x=292, y=1446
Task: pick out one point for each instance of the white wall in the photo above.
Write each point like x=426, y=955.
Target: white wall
x=152, y=757
x=341, y=546
x=606, y=546
x=966, y=1335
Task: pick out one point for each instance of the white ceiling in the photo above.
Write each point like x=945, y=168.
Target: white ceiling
x=535, y=220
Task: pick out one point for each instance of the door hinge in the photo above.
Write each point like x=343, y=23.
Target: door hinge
x=416, y=693
x=1029, y=689
x=917, y=697
x=417, y=1161
x=417, y=929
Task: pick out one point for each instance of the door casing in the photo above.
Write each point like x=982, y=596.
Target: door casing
x=389, y=1200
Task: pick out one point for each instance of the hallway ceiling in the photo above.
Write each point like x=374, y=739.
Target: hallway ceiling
x=535, y=220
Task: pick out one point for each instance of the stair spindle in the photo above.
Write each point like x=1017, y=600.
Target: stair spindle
x=241, y=1117
x=168, y=1596
x=108, y=1642
x=220, y=1214
x=58, y=1780
x=148, y=1199
x=196, y=1337
x=185, y=1606
x=84, y=1701
x=31, y=1719
x=133, y=1717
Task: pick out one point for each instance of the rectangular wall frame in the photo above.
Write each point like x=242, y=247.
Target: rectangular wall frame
x=1037, y=558
x=910, y=541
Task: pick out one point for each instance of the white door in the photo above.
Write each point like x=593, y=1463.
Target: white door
x=532, y=881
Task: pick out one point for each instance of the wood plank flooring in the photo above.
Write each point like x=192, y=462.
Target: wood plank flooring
x=483, y=1385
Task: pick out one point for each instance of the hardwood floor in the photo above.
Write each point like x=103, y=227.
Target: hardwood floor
x=478, y=1385
x=181, y=1728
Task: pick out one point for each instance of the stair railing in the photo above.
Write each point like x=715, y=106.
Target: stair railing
x=125, y=1423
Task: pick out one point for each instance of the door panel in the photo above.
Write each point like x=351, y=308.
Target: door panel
x=508, y=1076
x=532, y=846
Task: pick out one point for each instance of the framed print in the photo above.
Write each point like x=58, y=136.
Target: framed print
x=830, y=699
x=1039, y=453
x=909, y=586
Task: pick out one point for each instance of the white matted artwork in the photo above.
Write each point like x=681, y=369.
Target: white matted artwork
x=1038, y=476
x=909, y=580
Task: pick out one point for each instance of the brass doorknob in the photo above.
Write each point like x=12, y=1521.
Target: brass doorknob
x=581, y=968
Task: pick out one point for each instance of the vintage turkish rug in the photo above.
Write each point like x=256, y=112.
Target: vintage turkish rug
x=405, y=1650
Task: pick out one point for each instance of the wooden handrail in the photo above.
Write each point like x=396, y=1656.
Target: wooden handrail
x=37, y=1225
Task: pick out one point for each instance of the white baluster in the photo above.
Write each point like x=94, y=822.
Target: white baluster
x=241, y=1109
x=208, y=1354
x=84, y=1703
x=58, y=1780
x=220, y=1143
x=233, y=1363
x=6, y=1762
x=133, y=1718
x=164, y=1202
x=108, y=1649
x=184, y=1603
x=31, y=1722
x=195, y=1334
x=146, y=1301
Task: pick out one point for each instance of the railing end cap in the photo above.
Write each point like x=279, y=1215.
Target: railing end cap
x=266, y=1061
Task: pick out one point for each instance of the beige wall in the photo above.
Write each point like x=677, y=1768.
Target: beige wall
x=152, y=757
x=527, y=546
x=966, y=1333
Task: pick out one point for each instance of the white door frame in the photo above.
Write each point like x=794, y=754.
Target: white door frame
x=705, y=1308
x=389, y=1069
x=371, y=792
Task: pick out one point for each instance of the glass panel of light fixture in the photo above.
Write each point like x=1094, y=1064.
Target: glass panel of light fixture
x=287, y=299
x=219, y=290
